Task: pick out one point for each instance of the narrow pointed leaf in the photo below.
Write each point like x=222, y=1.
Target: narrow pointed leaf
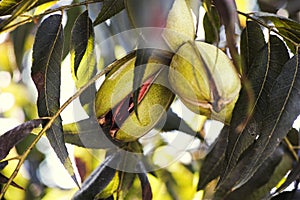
x=260, y=178
x=252, y=41
x=84, y=59
x=174, y=122
x=127, y=180
x=283, y=109
x=245, y=127
x=146, y=187
x=279, y=173
x=292, y=34
x=286, y=26
x=213, y=163
x=72, y=16
x=268, y=175
x=86, y=133
x=279, y=21
x=19, y=38
x=46, y=74
x=109, y=9
x=12, y=137
x=211, y=24
x=99, y=179
x=110, y=189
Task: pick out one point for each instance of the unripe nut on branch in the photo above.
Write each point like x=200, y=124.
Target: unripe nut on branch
x=205, y=80
x=114, y=100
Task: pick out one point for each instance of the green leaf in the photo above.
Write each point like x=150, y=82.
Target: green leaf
x=260, y=178
x=20, y=37
x=174, y=122
x=110, y=189
x=283, y=109
x=109, y=9
x=12, y=137
x=46, y=74
x=86, y=133
x=247, y=116
x=286, y=26
x=72, y=15
x=279, y=21
x=292, y=35
x=84, y=59
x=99, y=179
x=17, y=11
x=252, y=41
x=127, y=180
x=211, y=24
x=212, y=166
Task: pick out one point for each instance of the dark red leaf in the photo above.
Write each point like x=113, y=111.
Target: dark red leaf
x=12, y=137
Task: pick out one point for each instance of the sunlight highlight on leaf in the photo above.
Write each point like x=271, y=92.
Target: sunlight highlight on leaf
x=22, y=7
x=83, y=59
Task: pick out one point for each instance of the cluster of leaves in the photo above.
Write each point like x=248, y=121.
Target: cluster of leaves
x=251, y=155
x=255, y=151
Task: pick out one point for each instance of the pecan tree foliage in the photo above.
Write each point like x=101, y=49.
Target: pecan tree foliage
x=253, y=88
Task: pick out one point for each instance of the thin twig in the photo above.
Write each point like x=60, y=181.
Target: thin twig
x=291, y=148
x=47, y=12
